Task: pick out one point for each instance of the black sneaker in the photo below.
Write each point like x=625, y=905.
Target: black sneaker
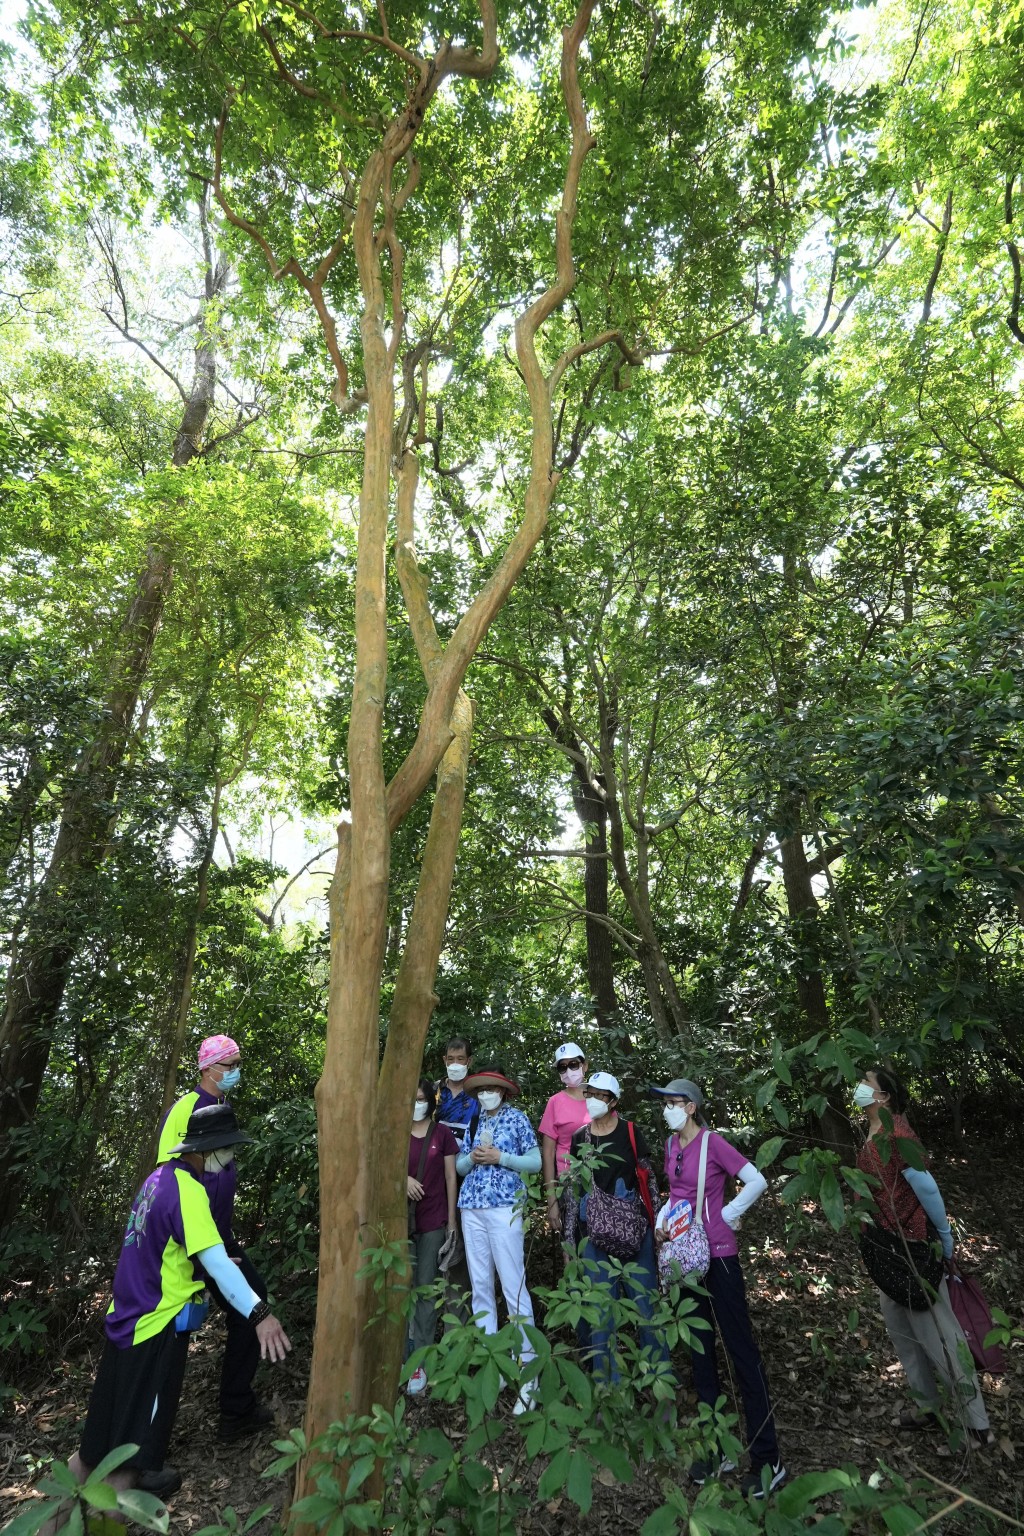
x=701, y=1471
x=235, y=1426
x=753, y=1483
x=161, y=1484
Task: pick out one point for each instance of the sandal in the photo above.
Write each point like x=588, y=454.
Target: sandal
x=981, y=1439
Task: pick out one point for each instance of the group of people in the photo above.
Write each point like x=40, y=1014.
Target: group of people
x=470, y=1150
x=623, y=1217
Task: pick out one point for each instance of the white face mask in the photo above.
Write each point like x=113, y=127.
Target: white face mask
x=220, y=1158
x=597, y=1107
x=863, y=1095
x=573, y=1078
x=675, y=1116
x=457, y=1071
x=489, y=1100
x=420, y=1109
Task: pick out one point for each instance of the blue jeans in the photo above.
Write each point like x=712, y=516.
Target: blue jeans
x=641, y=1287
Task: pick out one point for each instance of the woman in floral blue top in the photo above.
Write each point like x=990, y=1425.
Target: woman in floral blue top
x=491, y=1201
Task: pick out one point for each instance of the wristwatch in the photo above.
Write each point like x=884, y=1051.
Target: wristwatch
x=259, y=1312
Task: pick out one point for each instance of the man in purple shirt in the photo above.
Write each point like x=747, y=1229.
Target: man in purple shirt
x=171, y=1245
x=219, y=1073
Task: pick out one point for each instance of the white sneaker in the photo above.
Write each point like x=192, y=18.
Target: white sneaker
x=417, y=1382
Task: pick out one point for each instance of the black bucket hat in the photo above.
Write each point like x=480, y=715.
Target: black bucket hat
x=210, y=1128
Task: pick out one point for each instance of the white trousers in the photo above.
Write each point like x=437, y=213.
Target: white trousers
x=494, y=1241
x=932, y=1348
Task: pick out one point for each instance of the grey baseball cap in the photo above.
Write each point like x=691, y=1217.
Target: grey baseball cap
x=679, y=1088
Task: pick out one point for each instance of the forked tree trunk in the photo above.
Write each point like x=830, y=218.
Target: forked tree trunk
x=357, y=1357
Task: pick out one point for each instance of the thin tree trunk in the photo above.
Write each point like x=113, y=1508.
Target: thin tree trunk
x=589, y=804
x=181, y=1002
x=40, y=969
x=804, y=914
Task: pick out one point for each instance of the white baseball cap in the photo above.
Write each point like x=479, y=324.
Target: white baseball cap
x=605, y=1082
x=569, y=1052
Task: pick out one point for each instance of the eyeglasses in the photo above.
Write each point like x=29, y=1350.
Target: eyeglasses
x=605, y=1098
x=567, y=1066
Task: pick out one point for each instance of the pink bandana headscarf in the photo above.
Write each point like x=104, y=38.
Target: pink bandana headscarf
x=216, y=1048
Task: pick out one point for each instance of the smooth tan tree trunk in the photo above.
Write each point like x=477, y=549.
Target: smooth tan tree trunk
x=356, y=1354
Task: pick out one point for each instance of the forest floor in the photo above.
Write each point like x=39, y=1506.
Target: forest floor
x=837, y=1386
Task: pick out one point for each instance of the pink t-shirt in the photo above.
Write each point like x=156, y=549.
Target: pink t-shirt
x=682, y=1166
x=563, y=1115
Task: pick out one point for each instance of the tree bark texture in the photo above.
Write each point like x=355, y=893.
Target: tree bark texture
x=364, y=1111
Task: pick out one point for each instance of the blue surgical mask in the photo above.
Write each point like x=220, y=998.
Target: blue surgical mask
x=231, y=1079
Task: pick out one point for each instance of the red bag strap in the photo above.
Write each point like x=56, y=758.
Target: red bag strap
x=642, y=1176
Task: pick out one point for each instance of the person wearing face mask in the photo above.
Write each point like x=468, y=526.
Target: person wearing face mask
x=455, y=1107
x=724, y=1307
x=170, y=1246
x=622, y=1152
x=491, y=1199
x=459, y=1111
x=432, y=1191
x=929, y=1343
x=564, y=1114
x=241, y=1413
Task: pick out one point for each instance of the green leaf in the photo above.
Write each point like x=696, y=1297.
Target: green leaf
x=901, y=1520
x=29, y=1521
x=361, y=1469
x=580, y=1484
x=795, y=1497
x=99, y=1495
x=831, y=1197
x=614, y=1458
x=143, y=1509
x=768, y=1151
x=662, y=1522
x=111, y=1462
x=552, y=1479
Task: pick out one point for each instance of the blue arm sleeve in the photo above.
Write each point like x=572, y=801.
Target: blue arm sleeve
x=522, y=1162
x=463, y=1163
x=930, y=1197
x=228, y=1278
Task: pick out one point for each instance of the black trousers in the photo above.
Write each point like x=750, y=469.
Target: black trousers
x=725, y=1308
x=135, y=1398
x=242, y=1349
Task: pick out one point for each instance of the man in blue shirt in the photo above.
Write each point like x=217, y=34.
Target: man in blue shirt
x=459, y=1111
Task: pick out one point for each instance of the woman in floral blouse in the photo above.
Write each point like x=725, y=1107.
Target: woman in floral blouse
x=491, y=1202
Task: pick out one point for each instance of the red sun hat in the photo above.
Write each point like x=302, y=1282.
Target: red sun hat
x=491, y=1077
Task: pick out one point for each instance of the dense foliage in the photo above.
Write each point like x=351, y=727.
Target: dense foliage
x=744, y=798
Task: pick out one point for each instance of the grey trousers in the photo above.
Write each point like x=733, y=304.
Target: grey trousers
x=425, y=1248
x=932, y=1349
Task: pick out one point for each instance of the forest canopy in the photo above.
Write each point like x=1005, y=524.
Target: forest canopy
x=511, y=526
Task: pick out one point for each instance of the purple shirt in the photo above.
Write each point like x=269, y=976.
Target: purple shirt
x=170, y=1223
x=432, y=1210
x=682, y=1166
x=220, y=1184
